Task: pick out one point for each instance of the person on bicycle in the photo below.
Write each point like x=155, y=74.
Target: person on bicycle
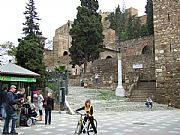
x=88, y=108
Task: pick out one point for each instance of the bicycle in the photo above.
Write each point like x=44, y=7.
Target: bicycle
x=86, y=125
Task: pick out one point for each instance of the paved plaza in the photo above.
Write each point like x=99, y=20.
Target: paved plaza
x=122, y=123
x=115, y=117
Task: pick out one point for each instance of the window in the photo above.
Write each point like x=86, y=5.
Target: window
x=108, y=57
x=169, y=18
x=65, y=53
x=147, y=50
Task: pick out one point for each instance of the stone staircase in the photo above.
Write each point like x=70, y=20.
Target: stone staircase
x=78, y=95
x=143, y=90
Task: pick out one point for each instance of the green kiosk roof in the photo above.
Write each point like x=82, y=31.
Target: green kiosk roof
x=12, y=72
x=13, y=69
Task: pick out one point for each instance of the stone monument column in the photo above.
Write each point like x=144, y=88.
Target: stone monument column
x=120, y=90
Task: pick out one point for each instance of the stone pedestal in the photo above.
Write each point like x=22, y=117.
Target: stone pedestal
x=120, y=90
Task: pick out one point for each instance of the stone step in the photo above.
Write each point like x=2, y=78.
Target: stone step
x=150, y=85
x=139, y=99
x=142, y=93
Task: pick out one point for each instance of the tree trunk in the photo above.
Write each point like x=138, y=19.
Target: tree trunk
x=85, y=65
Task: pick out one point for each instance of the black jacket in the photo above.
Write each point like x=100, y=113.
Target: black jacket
x=11, y=99
x=49, y=103
x=88, y=112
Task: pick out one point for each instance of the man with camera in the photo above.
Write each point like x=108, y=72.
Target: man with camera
x=12, y=99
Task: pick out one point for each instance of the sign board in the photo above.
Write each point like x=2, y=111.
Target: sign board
x=18, y=79
x=137, y=66
x=60, y=95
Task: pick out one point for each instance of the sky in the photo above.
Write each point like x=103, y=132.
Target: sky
x=53, y=14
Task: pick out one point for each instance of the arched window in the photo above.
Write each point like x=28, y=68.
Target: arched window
x=108, y=57
x=147, y=50
x=65, y=53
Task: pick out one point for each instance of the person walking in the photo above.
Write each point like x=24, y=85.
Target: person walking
x=49, y=106
x=40, y=105
x=11, y=100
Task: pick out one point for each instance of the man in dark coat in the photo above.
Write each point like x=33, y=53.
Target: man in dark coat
x=11, y=101
x=49, y=106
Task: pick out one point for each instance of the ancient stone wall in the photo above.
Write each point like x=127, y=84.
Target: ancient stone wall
x=137, y=55
x=143, y=19
x=107, y=53
x=107, y=72
x=62, y=41
x=138, y=46
x=48, y=58
x=141, y=66
x=167, y=50
x=132, y=11
x=138, y=60
x=109, y=34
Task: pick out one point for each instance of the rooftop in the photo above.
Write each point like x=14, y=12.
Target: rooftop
x=14, y=69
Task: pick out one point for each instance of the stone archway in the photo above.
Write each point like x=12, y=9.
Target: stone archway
x=147, y=50
x=65, y=53
x=108, y=57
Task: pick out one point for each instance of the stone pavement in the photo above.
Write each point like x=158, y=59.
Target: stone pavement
x=77, y=96
x=115, y=117
x=119, y=123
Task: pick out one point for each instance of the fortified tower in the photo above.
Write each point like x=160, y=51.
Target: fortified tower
x=167, y=50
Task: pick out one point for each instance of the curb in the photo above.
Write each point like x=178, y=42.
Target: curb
x=70, y=110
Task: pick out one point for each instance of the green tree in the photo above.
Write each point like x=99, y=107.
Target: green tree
x=30, y=49
x=86, y=33
x=133, y=27
x=117, y=23
x=149, y=12
x=31, y=27
x=144, y=31
x=8, y=48
x=126, y=26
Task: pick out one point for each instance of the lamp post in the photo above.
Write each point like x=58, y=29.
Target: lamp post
x=67, y=74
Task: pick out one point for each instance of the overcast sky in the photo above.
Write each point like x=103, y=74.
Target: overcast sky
x=53, y=14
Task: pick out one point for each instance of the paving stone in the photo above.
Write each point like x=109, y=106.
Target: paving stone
x=78, y=95
x=110, y=122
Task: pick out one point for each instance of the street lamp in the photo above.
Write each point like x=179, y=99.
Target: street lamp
x=67, y=76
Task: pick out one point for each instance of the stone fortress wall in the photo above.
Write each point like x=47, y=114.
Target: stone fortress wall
x=62, y=40
x=167, y=50
x=134, y=52
x=157, y=55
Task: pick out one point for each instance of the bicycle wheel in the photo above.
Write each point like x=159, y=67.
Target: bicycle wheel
x=90, y=130
x=78, y=129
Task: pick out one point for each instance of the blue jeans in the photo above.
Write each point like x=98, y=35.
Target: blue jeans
x=3, y=113
x=149, y=104
x=1, y=110
x=47, y=116
x=14, y=118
